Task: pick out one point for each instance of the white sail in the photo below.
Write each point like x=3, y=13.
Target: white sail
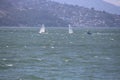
x=70, y=29
x=42, y=30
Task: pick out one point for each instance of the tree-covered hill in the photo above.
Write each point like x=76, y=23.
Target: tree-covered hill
x=36, y=12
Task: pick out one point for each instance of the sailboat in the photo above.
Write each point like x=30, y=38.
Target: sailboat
x=42, y=29
x=70, y=29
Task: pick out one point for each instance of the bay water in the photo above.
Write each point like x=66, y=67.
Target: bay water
x=56, y=55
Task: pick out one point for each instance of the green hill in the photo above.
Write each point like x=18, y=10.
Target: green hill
x=36, y=12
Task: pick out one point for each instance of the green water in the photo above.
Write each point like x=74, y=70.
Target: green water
x=56, y=55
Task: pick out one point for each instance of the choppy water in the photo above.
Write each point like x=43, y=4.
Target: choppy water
x=27, y=55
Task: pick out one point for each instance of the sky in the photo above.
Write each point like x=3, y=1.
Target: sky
x=111, y=6
x=114, y=2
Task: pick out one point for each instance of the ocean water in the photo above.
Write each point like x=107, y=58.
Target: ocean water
x=56, y=55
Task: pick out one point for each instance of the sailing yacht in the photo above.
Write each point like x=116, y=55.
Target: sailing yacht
x=70, y=29
x=42, y=29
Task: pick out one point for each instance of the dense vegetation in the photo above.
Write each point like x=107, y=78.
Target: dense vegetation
x=36, y=12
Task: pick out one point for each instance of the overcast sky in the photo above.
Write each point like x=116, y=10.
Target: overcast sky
x=113, y=2
x=112, y=6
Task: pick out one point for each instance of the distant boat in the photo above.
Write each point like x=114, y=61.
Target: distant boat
x=42, y=29
x=89, y=33
x=70, y=29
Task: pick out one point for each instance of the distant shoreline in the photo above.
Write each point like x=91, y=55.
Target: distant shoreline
x=65, y=27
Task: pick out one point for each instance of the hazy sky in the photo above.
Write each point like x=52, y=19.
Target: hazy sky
x=113, y=2
x=112, y=6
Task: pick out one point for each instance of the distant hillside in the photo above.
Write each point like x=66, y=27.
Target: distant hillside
x=36, y=12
